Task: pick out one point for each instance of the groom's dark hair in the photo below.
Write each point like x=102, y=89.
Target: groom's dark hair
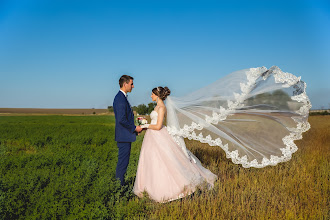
x=124, y=79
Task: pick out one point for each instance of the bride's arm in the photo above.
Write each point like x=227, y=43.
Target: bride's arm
x=160, y=119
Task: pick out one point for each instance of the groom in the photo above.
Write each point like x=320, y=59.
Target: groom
x=125, y=130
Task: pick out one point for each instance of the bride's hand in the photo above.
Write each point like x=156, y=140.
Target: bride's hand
x=145, y=126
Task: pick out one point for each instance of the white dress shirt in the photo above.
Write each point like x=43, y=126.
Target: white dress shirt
x=124, y=93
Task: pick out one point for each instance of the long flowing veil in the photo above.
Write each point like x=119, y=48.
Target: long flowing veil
x=254, y=115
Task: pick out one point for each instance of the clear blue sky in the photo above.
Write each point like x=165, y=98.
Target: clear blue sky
x=70, y=54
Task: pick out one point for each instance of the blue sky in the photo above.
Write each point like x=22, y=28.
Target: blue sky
x=70, y=54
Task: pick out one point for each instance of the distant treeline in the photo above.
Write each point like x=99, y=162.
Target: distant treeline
x=325, y=112
x=141, y=109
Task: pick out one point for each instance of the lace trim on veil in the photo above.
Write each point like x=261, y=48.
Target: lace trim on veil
x=287, y=80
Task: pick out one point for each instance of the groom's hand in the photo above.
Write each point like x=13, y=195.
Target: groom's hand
x=138, y=129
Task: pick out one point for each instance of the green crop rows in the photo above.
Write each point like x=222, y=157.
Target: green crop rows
x=63, y=167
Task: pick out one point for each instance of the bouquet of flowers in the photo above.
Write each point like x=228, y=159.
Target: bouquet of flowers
x=141, y=120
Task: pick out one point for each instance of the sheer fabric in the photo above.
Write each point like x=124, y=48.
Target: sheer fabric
x=254, y=115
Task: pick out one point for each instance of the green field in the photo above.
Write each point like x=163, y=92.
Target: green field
x=63, y=167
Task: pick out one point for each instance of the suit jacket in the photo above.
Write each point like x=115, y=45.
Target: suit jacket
x=125, y=127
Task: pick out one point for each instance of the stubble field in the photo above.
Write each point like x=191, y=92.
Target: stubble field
x=63, y=167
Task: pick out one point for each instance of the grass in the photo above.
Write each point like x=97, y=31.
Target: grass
x=64, y=167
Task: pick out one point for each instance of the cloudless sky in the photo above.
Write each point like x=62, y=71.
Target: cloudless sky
x=70, y=54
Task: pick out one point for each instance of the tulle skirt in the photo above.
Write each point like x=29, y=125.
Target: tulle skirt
x=164, y=171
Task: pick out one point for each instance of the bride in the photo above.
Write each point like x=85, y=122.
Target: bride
x=254, y=115
x=164, y=171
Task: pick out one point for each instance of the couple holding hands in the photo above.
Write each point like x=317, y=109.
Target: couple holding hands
x=164, y=171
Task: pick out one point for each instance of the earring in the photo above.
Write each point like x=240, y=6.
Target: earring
x=157, y=100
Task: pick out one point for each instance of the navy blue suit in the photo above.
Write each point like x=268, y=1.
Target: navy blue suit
x=124, y=133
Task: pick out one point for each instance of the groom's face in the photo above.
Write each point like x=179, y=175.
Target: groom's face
x=129, y=86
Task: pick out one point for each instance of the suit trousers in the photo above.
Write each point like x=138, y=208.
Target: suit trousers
x=124, y=151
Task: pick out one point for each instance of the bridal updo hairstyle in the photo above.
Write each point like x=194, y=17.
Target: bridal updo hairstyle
x=161, y=92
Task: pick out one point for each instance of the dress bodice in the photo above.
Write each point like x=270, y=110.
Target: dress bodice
x=153, y=117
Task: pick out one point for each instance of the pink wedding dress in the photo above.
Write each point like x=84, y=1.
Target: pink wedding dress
x=164, y=171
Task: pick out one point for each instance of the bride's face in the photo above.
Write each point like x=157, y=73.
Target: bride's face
x=153, y=97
